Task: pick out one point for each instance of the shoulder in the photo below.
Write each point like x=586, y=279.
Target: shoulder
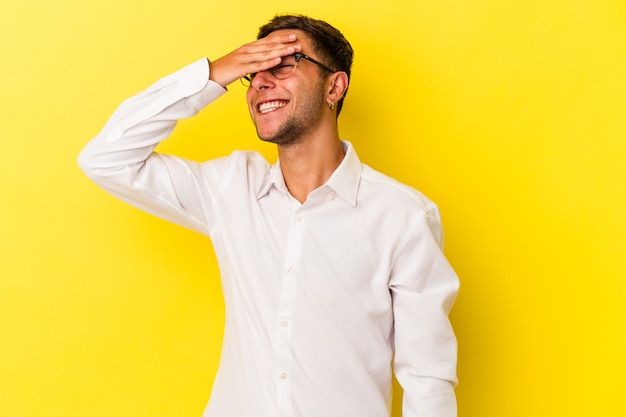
x=399, y=207
x=393, y=193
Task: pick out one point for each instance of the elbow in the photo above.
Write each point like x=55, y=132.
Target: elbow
x=92, y=164
x=86, y=163
x=83, y=161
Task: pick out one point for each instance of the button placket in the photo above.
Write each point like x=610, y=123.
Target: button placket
x=287, y=303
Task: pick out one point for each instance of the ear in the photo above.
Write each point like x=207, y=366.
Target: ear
x=337, y=86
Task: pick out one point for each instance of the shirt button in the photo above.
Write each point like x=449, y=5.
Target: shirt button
x=291, y=269
x=284, y=323
x=283, y=376
x=298, y=218
x=330, y=196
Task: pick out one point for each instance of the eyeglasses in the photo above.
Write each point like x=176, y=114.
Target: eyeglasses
x=285, y=68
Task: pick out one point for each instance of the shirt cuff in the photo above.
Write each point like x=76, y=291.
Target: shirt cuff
x=210, y=90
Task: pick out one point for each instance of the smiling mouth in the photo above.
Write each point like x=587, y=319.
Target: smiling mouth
x=271, y=106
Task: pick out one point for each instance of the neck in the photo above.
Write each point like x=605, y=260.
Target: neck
x=307, y=164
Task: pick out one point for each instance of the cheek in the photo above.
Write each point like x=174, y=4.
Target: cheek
x=248, y=103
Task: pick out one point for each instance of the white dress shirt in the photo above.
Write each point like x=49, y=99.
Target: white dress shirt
x=322, y=297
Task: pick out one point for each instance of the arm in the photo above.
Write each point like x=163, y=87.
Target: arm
x=423, y=288
x=121, y=158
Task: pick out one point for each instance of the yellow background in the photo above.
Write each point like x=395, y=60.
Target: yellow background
x=509, y=114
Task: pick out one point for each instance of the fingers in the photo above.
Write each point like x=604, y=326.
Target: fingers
x=267, y=52
x=256, y=56
x=274, y=41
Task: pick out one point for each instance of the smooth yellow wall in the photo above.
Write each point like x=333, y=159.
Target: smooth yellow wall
x=509, y=114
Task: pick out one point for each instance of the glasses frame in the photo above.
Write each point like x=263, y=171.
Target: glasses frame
x=247, y=79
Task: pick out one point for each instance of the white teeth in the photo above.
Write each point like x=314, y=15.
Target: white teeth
x=271, y=106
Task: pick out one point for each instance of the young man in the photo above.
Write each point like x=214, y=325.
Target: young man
x=331, y=271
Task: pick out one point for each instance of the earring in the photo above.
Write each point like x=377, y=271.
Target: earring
x=332, y=105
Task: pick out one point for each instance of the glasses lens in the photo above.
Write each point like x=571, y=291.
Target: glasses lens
x=285, y=68
x=247, y=80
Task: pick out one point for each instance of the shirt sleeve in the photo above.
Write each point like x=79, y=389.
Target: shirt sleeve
x=121, y=158
x=423, y=288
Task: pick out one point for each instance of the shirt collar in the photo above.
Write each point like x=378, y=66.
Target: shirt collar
x=344, y=181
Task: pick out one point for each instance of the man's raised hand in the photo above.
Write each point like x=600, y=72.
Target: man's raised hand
x=257, y=56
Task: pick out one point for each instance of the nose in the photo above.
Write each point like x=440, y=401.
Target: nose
x=263, y=80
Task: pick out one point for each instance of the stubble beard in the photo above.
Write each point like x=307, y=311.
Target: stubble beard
x=297, y=126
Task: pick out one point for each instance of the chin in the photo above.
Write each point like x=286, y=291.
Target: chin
x=279, y=140
x=280, y=136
